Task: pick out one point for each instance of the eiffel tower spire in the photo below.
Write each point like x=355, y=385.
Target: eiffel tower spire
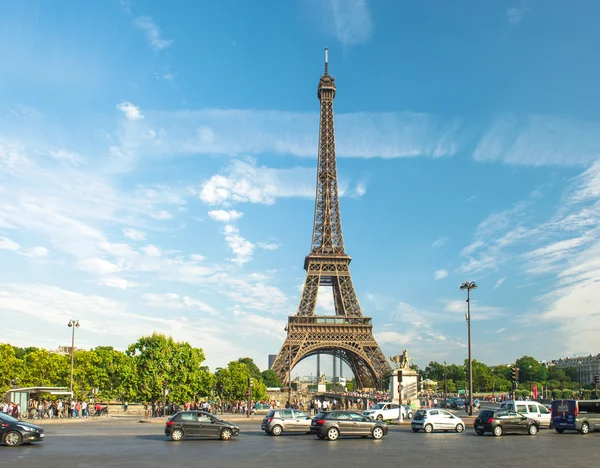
x=349, y=335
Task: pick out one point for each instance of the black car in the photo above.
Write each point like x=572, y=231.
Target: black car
x=332, y=424
x=500, y=421
x=14, y=432
x=199, y=424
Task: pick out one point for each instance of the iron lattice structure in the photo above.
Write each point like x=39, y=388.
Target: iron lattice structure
x=348, y=335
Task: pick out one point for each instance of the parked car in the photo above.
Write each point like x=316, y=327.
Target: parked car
x=577, y=415
x=199, y=424
x=14, y=432
x=500, y=421
x=385, y=411
x=333, y=424
x=531, y=409
x=287, y=420
x=432, y=419
x=261, y=409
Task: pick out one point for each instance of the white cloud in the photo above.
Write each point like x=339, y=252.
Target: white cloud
x=151, y=250
x=268, y=245
x=500, y=330
x=162, y=215
x=66, y=156
x=35, y=252
x=98, y=265
x=441, y=274
x=540, y=140
x=152, y=33
x=134, y=234
x=391, y=337
x=438, y=243
x=116, y=282
x=241, y=247
x=235, y=132
x=352, y=21
x=478, y=312
x=175, y=301
x=256, y=325
x=499, y=282
x=225, y=216
x=515, y=15
x=131, y=112
x=7, y=244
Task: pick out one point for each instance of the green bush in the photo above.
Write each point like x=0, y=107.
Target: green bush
x=557, y=394
x=567, y=394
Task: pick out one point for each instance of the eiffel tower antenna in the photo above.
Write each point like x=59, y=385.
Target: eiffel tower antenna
x=349, y=335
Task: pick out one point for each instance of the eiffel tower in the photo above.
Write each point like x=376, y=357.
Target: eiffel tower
x=348, y=335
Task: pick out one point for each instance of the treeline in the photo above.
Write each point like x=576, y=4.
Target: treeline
x=137, y=374
x=562, y=383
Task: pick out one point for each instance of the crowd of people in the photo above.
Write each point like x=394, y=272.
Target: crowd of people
x=46, y=409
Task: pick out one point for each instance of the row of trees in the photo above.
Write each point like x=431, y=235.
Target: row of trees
x=487, y=379
x=136, y=374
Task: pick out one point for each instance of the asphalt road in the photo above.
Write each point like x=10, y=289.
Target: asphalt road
x=127, y=443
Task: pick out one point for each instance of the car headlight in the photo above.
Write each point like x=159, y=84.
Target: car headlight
x=27, y=429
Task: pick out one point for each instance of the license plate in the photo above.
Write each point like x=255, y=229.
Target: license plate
x=42, y=435
x=479, y=427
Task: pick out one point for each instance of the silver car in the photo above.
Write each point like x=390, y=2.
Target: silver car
x=433, y=419
x=285, y=420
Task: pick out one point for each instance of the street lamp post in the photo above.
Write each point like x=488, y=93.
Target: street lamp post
x=445, y=392
x=73, y=324
x=287, y=329
x=531, y=381
x=579, y=376
x=468, y=285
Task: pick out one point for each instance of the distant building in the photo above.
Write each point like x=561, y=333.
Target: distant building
x=65, y=350
x=272, y=358
x=588, y=366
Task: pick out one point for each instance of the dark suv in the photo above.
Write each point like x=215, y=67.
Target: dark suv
x=577, y=415
x=500, y=421
x=330, y=425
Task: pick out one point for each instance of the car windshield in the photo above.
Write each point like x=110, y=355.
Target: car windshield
x=6, y=417
x=378, y=406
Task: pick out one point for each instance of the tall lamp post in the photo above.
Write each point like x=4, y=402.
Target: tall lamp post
x=287, y=329
x=579, y=376
x=445, y=392
x=468, y=285
x=73, y=324
x=531, y=381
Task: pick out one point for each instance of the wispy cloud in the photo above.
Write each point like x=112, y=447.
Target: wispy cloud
x=352, y=21
x=152, y=33
x=235, y=132
x=441, y=274
x=499, y=282
x=176, y=301
x=131, y=112
x=539, y=140
x=438, y=243
x=515, y=15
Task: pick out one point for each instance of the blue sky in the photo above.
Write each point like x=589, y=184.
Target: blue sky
x=158, y=166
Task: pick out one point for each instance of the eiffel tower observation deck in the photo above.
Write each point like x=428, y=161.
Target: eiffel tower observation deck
x=348, y=335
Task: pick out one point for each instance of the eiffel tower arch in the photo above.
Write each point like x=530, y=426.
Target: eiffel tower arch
x=348, y=335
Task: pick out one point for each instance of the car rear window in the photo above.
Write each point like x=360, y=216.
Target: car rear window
x=321, y=416
x=486, y=414
x=270, y=414
x=419, y=415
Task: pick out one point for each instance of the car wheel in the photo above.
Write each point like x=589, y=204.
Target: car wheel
x=428, y=428
x=415, y=429
x=377, y=433
x=533, y=430
x=333, y=433
x=177, y=434
x=559, y=430
x=13, y=439
x=226, y=434
x=459, y=428
x=277, y=430
x=379, y=417
x=409, y=415
x=585, y=428
x=497, y=431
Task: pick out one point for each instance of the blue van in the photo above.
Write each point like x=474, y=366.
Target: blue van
x=575, y=415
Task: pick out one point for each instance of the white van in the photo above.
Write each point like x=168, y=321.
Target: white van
x=531, y=409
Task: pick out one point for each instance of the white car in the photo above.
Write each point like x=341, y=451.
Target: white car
x=385, y=411
x=433, y=419
x=531, y=409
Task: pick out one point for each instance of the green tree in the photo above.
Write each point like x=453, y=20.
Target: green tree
x=157, y=358
x=10, y=368
x=252, y=367
x=530, y=369
x=43, y=368
x=270, y=378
